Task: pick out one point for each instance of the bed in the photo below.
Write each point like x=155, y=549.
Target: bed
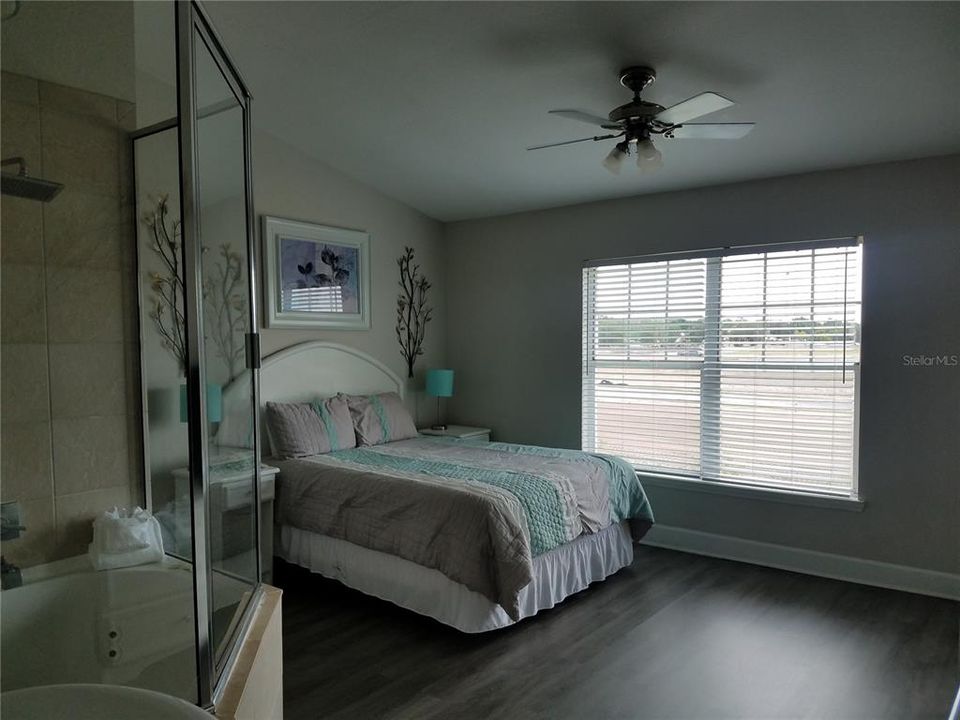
x=475, y=535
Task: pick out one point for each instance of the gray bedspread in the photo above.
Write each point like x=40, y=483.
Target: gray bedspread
x=474, y=534
x=478, y=513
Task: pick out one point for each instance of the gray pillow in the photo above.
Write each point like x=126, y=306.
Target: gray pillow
x=302, y=429
x=380, y=418
x=337, y=423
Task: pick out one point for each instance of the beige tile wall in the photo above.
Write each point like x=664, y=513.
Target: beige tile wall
x=69, y=362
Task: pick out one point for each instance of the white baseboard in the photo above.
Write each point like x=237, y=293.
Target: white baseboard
x=811, y=562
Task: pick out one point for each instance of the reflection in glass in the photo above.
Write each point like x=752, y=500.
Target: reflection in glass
x=171, y=664
x=231, y=412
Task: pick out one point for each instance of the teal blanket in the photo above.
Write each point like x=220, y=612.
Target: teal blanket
x=563, y=493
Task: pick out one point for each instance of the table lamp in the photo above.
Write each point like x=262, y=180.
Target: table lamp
x=439, y=384
x=214, y=403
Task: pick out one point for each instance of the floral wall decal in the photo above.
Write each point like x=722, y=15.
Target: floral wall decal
x=225, y=305
x=224, y=293
x=413, y=314
x=167, y=290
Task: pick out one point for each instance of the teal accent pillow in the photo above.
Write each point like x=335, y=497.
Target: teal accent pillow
x=380, y=418
x=303, y=429
x=335, y=415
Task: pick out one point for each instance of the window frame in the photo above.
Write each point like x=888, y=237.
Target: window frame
x=764, y=489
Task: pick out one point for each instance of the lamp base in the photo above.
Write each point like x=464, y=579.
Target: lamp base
x=438, y=427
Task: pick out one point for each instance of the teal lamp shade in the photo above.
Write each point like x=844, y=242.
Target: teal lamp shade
x=214, y=403
x=440, y=383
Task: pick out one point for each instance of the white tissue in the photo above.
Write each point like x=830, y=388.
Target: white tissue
x=123, y=539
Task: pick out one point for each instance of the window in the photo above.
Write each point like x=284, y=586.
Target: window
x=736, y=365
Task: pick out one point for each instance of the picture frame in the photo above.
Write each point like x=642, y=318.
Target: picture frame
x=315, y=276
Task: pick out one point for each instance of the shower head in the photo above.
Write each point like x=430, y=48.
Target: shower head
x=30, y=188
x=21, y=185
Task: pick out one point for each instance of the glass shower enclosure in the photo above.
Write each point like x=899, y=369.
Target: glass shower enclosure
x=199, y=342
x=130, y=372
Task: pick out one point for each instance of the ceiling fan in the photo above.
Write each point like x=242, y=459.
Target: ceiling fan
x=638, y=120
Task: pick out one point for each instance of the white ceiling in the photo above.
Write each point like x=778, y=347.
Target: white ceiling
x=435, y=103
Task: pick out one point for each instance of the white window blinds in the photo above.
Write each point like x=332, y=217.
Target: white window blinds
x=327, y=298
x=737, y=366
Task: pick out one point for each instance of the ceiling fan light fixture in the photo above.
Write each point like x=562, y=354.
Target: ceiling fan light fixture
x=614, y=160
x=636, y=120
x=646, y=149
x=648, y=157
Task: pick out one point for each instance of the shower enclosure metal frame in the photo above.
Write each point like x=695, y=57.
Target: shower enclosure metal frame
x=193, y=26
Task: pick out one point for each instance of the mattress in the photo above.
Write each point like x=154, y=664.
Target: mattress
x=557, y=574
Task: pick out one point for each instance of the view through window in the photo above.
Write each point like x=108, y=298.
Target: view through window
x=738, y=365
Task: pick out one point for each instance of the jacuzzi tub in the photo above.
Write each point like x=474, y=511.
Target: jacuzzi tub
x=69, y=624
x=95, y=702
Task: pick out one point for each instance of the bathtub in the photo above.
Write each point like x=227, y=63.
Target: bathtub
x=69, y=624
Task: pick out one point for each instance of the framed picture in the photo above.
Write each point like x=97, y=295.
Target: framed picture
x=315, y=276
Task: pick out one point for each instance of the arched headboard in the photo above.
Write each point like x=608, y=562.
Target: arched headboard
x=300, y=373
x=317, y=368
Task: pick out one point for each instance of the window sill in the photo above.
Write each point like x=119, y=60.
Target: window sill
x=790, y=497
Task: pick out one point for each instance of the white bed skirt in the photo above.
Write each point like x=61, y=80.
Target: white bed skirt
x=557, y=574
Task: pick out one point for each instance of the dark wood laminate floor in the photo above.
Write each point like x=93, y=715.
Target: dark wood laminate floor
x=672, y=636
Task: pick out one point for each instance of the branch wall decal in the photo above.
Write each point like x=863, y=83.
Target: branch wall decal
x=167, y=301
x=413, y=314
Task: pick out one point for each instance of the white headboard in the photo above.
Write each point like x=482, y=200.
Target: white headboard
x=321, y=369
x=301, y=373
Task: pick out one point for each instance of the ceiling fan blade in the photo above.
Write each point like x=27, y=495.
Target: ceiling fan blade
x=586, y=117
x=571, y=142
x=694, y=107
x=711, y=131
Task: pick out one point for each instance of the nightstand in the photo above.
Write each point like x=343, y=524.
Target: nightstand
x=230, y=494
x=460, y=432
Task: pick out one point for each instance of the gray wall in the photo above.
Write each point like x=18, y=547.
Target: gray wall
x=514, y=305
x=288, y=184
